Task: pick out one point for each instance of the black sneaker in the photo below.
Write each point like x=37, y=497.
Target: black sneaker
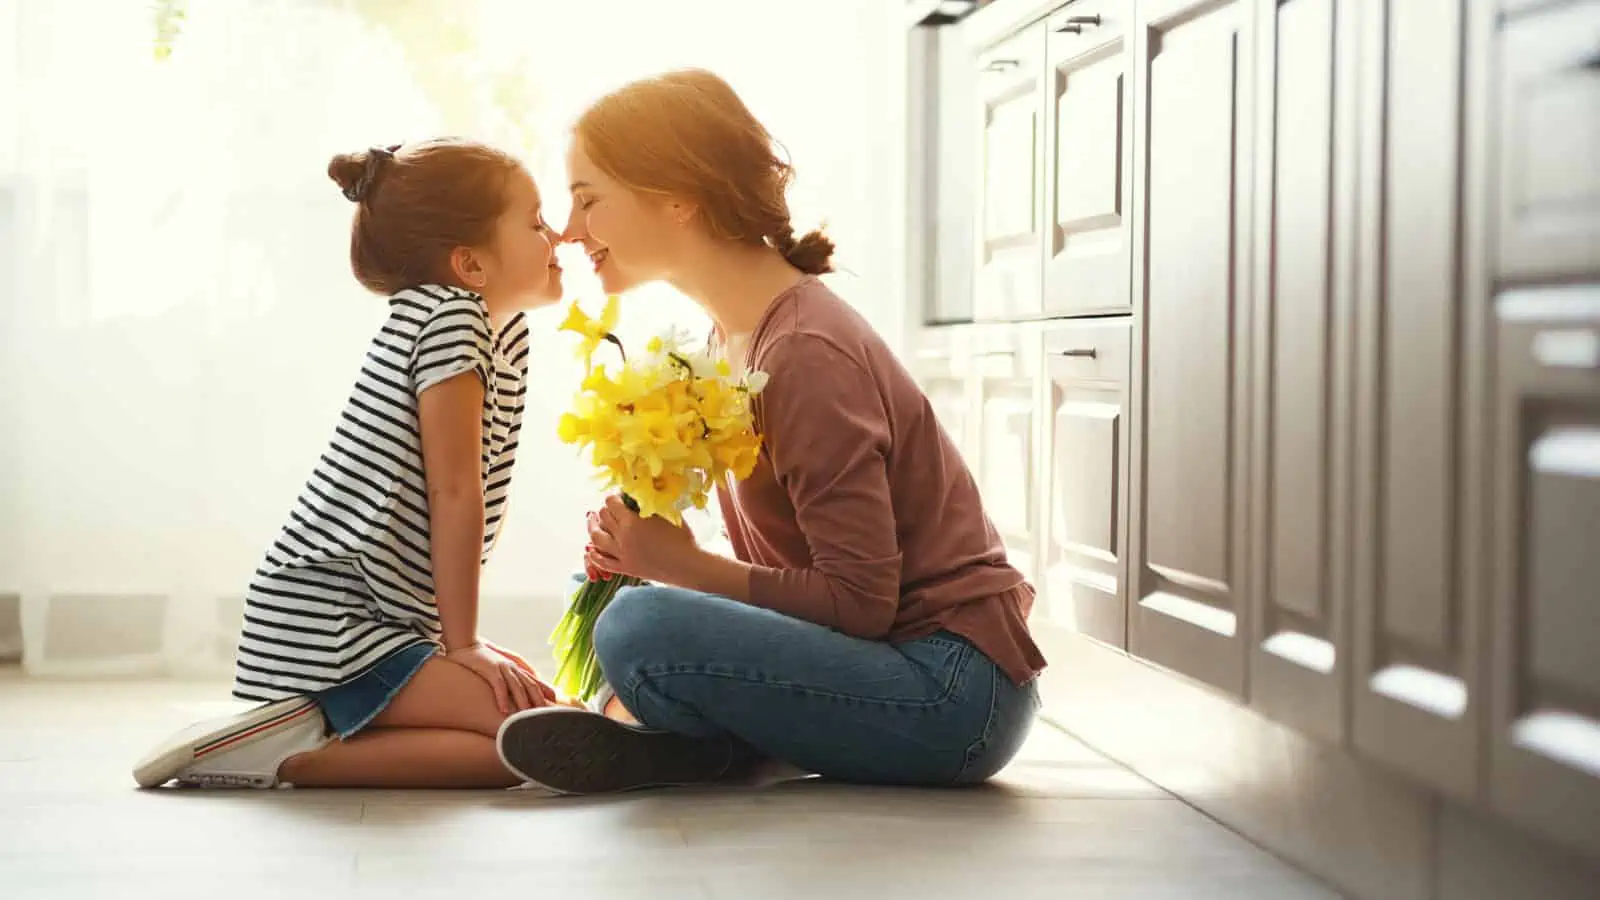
x=574, y=751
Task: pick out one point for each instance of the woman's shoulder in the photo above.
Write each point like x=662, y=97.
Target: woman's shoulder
x=814, y=321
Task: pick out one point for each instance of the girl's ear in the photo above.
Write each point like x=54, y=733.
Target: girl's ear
x=468, y=269
x=682, y=212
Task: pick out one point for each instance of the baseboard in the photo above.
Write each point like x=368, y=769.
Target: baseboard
x=124, y=635
x=1373, y=835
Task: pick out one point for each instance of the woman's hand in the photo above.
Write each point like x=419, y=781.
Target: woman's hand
x=623, y=542
x=590, y=570
x=510, y=677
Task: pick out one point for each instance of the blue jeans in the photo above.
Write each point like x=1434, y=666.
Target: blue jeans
x=932, y=711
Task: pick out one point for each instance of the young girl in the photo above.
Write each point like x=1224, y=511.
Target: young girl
x=869, y=627
x=360, y=627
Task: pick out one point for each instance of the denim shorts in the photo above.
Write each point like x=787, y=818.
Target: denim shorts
x=349, y=707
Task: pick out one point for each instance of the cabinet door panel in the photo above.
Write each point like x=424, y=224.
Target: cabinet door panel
x=1192, y=146
x=1008, y=376
x=1304, y=271
x=1415, y=644
x=1086, y=524
x=1088, y=158
x=949, y=395
x=1545, y=602
x=941, y=362
x=1010, y=247
x=1549, y=135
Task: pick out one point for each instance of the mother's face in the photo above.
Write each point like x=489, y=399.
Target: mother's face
x=625, y=233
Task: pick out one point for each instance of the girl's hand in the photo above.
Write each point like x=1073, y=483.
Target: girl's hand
x=623, y=542
x=515, y=688
x=545, y=689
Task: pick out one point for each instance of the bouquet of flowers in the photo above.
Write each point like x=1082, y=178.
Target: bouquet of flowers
x=665, y=428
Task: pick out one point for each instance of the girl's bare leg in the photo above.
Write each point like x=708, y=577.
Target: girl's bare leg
x=438, y=731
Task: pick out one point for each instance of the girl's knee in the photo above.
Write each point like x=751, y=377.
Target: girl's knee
x=442, y=694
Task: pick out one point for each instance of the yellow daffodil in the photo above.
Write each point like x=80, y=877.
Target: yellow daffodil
x=593, y=331
x=663, y=428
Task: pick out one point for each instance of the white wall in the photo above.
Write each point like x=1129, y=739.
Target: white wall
x=178, y=327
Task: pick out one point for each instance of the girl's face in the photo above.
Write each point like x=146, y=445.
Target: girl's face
x=627, y=235
x=519, y=267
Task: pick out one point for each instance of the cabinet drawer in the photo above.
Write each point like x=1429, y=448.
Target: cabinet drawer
x=1549, y=94
x=1095, y=349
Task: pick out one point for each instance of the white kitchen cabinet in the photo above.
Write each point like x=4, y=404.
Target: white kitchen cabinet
x=1088, y=159
x=1007, y=377
x=1544, y=617
x=1193, y=149
x=1303, y=353
x=1416, y=667
x=1009, y=226
x=941, y=363
x=1085, y=521
x=1548, y=133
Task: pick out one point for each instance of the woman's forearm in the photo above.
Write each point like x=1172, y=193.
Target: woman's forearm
x=711, y=573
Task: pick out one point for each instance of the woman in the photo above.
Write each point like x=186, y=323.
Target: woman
x=870, y=628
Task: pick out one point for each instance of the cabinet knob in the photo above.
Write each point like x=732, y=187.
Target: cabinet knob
x=1001, y=65
x=1087, y=353
x=1075, y=24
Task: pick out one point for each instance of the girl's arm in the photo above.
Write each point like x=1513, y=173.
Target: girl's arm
x=451, y=371
x=451, y=414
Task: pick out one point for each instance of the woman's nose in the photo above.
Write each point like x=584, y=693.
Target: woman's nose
x=574, y=233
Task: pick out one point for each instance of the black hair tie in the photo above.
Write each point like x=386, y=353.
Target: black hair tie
x=376, y=157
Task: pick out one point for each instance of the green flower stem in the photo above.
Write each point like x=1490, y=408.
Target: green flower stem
x=578, y=669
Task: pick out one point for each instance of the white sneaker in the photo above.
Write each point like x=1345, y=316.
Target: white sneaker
x=243, y=750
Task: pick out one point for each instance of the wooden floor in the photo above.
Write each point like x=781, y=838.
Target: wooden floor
x=1062, y=822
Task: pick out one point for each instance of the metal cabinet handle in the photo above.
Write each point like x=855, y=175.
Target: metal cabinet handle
x=1088, y=353
x=1074, y=24
x=1001, y=65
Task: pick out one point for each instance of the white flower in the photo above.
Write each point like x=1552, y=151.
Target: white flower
x=703, y=365
x=697, y=484
x=675, y=340
x=754, y=382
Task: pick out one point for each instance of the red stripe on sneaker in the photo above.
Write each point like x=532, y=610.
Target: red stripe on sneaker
x=229, y=740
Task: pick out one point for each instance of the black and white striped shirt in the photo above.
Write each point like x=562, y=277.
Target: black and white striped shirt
x=349, y=578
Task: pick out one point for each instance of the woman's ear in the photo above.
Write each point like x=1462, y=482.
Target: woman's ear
x=468, y=269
